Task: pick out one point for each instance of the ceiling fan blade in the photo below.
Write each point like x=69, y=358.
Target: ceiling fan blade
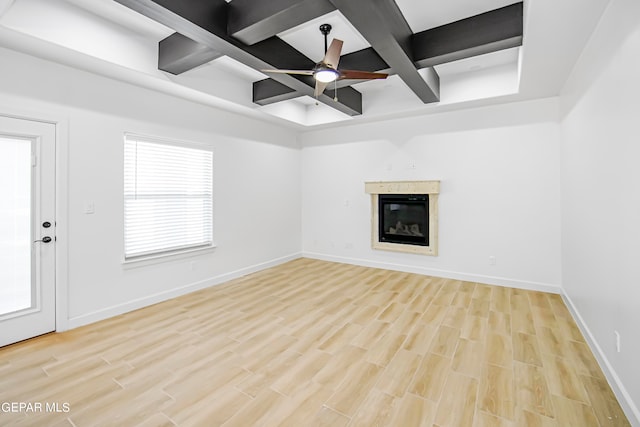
x=332, y=57
x=302, y=72
x=361, y=75
x=320, y=87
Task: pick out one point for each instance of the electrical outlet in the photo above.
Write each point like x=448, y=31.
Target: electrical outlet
x=492, y=260
x=617, y=335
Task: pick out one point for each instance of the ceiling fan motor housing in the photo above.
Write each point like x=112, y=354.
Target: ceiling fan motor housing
x=325, y=29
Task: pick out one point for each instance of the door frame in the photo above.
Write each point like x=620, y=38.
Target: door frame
x=61, y=124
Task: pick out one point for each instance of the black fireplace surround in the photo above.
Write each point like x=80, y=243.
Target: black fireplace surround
x=404, y=219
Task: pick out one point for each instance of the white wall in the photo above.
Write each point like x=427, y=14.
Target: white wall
x=257, y=190
x=500, y=192
x=601, y=200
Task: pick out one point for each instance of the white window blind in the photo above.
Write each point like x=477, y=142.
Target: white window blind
x=168, y=197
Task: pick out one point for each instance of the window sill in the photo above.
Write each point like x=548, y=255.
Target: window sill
x=167, y=257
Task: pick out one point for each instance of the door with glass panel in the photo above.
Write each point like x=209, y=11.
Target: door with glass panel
x=27, y=229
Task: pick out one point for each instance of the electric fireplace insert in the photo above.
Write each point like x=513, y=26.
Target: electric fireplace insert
x=404, y=219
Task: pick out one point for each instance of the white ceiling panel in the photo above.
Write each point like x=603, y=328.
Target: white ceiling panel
x=307, y=38
x=424, y=14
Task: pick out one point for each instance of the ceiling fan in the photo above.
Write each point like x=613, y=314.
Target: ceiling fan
x=326, y=71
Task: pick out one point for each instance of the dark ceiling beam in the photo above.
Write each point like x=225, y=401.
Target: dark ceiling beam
x=205, y=21
x=365, y=59
x=269, y=91
x=382, y=24
x=252, y=21
x=177, y=54
x=488, y=32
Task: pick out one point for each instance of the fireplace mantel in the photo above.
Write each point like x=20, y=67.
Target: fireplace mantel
x=430, y=188
x=402, y=187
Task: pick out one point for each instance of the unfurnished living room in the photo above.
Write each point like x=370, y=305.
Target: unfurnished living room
x=319, y=212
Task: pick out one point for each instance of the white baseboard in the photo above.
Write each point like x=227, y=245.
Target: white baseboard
x=116, y=310
x=478, y=278
x=627, y=404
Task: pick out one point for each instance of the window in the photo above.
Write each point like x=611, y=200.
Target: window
x=168, y=197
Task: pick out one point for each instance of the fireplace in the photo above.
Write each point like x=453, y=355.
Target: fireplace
x=404, y=216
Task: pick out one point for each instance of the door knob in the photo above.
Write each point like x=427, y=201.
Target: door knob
x=45, y=239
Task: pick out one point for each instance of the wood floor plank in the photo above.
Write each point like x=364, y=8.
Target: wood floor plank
x=474, y=328
x=414, y=411
x=563, y=380
x=497, y=395
x=304, y=404
x=376, y=410
x=309, y=364
x=499, y=323
x=254, y=383
x=532, y=392
x=327, y=417
x=499, y=350
x=457, y=406
x=526, y=349
x=215, y=407
x=521, y=314
x=482, y=292
x=257, y=411
x=584, y=361
x=340, y=337
x=397, y=376
x=531, y=419
x=419, y=339
x=387, y=347
x=317, y=343
x=572, y=413
x=370, y=334
x=455, y=317
x=487, y=420
x=445, y=341
x=605, y=406
x=461, y=300
x=466, y=359
x=500, y=299
x=479, y=307
x=330, y=370
x=430, y=377
x=354, y=389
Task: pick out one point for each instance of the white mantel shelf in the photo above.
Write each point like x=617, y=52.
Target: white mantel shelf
x=432, y=188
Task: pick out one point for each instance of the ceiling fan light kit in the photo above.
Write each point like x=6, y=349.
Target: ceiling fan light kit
x=326, y=75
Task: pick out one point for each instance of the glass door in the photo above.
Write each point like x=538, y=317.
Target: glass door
x=17, y=292
x=27, y=229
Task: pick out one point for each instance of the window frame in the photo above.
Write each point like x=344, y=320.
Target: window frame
x=159, y=255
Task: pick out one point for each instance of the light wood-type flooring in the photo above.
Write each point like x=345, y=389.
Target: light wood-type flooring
x=312, y=343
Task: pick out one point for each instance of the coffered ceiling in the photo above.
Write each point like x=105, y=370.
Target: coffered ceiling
x=439, y=54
